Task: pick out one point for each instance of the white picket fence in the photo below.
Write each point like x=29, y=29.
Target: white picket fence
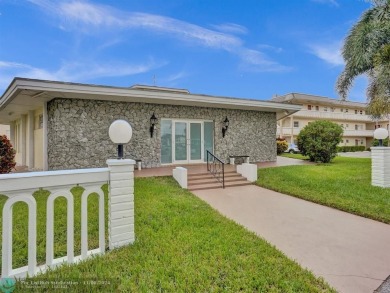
x=20, y=188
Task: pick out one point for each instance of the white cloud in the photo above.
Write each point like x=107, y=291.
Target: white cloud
x=73, y=71
x=90, y=18
x=329, y=52
x=330, y=2
x=231, y=28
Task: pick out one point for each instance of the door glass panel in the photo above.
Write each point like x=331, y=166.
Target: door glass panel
x=208, y=138
x=166, y=141
x=180, y=141
x=196, y=141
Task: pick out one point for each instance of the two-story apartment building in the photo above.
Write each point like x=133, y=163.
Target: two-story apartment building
x=358, y=126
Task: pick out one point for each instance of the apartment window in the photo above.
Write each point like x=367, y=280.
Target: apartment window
x=317, y=108
x=347, y=141
x=325, y=109
x=361, y=112
x=308, y=107
x=296, y=123
x=332, y=109
x=355, y=111
x=361, y=141
x=356, y=127
x=346, y=110
x=342, y=141
x=341, y=110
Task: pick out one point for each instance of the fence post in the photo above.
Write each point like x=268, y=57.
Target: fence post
x=121, y=203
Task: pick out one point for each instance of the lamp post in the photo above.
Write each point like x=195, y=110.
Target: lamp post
x=380, y=134
x=120, y=133
x=380, y=160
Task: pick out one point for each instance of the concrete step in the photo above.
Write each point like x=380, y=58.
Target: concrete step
x=218, y=185
x=203, y=181
x=213, y=180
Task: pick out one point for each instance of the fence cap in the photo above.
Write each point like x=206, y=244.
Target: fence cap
x=121, y=162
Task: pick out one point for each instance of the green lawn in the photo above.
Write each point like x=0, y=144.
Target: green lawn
x=344, y=184
x=183, y=245
x=294, y=156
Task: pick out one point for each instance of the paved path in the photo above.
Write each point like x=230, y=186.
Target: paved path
x=351, y=253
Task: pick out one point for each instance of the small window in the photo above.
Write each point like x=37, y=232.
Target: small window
x=347, y=141
x=296, y=123
x=342, y=125
x=325, y=109
x=342, y=141
x=361, y=112
x=317, y=108
x=341, y=110
x=356, y=127
x=346, y=110
x=361, y=141
x=346, y=125
x=356, y=111
x=332, y=109
x=308, y=107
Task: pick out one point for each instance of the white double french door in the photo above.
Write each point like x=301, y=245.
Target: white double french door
x=187, y=146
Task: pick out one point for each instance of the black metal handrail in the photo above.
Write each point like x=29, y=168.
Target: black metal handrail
x=216, y=168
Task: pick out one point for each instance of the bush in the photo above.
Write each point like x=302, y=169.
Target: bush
x=375, y=142
x=7, y=155
x=281, y=145
x=319, y=139
x=351, y=148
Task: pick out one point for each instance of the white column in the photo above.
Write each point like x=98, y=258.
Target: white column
x=45, y=138
x=23, y=138
x=12, y=133
x=30, y=139
x=121, y=203
x=380, y=170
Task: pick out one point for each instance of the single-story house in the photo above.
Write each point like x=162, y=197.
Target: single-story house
x=60, y=125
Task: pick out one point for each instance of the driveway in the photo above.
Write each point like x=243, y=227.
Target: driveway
x=351, y=253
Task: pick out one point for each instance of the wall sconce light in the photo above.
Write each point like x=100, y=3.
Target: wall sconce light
x=153, y=122
x=120, y=133
x=225, y=126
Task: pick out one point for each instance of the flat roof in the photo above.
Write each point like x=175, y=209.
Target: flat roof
x=299, y=98
x=24, y=94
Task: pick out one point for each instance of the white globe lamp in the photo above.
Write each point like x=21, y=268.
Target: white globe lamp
x=120, y=133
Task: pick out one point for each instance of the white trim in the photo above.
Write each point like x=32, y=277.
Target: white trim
x=45, y=138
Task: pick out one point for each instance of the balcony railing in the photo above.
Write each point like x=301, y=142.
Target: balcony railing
x=287, y=131
x=332, y=115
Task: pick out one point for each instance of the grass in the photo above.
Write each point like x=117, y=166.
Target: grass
x=344, y=184
x=294, y=156
x=183, y=245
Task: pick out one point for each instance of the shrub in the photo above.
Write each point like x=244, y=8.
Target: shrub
x=7, y=155
x=375, y=142
x=351, y=148
x=281, y=145
x=319, y=139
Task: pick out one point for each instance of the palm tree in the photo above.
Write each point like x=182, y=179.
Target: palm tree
x=366, y=50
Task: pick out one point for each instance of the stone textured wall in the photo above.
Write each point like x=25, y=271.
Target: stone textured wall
x=78, y=132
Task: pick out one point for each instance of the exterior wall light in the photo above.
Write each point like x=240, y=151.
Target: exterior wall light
x=120, y=133
x=380, y=134
x=153, y=122
x=225, y=126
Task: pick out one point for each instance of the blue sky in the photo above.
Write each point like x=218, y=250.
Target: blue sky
x=249, y=49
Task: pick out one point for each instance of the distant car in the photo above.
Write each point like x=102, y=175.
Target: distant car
x=292, y=149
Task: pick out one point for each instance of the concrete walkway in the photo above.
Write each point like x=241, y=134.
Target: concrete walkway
x=351, y=253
